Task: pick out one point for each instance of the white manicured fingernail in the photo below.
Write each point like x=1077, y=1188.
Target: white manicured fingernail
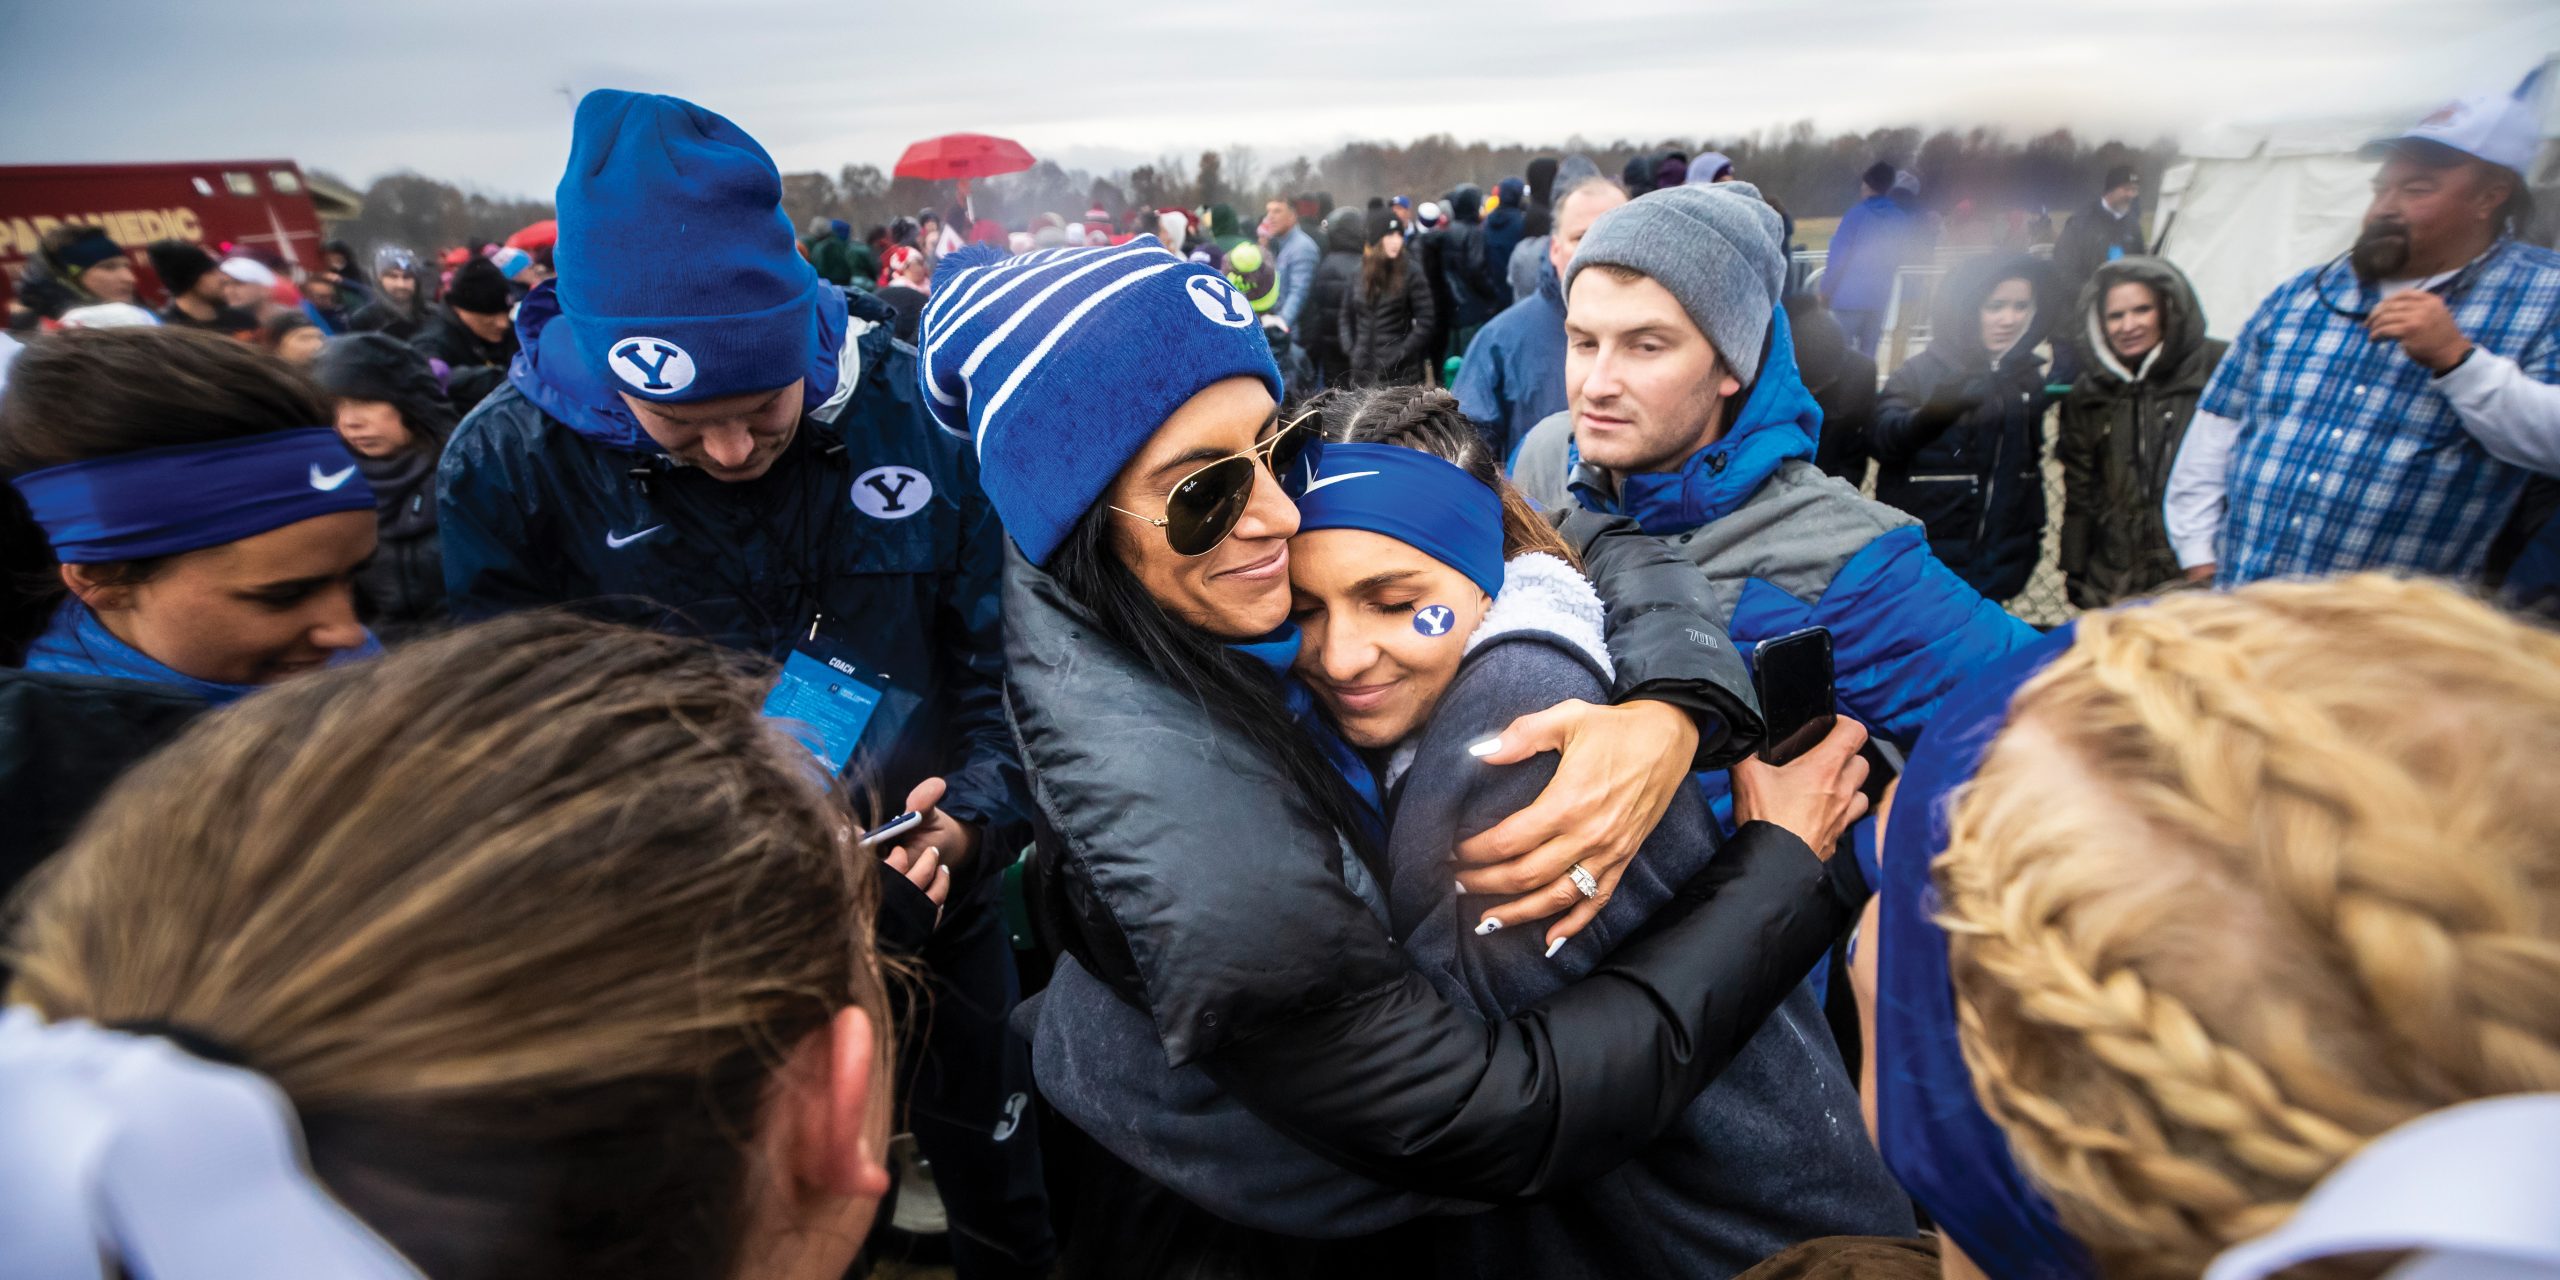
x=1486, y=747
x=1556, y=946
x=1462, y=888
x=1490, y=924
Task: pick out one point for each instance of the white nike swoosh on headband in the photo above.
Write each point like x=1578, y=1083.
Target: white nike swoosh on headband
x=325, y=482
x=1347, y=475
x=617, y=542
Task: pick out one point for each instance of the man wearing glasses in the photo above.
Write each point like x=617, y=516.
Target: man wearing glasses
x=2383, y=411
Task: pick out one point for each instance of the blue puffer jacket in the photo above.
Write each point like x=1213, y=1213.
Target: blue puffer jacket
x=1513, y=376
x=1786, y=547
x=871, y=525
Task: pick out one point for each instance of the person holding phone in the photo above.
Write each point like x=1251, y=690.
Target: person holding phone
x=1212, y=859
x=702, y=436
x=1689, y=414
x=1435, y=608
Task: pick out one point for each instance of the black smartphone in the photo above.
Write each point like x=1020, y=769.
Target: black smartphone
x=1793, y=675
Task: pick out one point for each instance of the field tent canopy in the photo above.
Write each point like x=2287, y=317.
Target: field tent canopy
x=2248, y=206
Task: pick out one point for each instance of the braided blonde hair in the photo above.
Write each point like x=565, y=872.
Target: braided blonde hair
x=2250, y=879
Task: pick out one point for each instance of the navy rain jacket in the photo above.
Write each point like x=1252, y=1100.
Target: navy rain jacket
x=873, y=517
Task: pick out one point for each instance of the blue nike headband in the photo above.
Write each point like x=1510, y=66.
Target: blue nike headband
x=1930, y=1125
x=1416, y=498
x=158, y=502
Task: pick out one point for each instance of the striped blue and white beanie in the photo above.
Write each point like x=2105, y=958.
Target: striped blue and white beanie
x=1059, y=365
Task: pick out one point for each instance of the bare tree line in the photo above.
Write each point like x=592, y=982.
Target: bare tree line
x=1812, y=174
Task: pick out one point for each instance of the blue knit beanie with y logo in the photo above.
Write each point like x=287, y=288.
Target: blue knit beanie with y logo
x=679, y=278
x=1060, y=364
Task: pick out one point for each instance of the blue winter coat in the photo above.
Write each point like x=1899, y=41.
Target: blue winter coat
x=1513, y=376
x=872, y=518
x=1786, y=547
x=1866, y=252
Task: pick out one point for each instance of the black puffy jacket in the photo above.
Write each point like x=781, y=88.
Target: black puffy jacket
x=1180, y=867
x=1388, y=332
x=1959, y=441
x=65, y=739
x=1337, y=280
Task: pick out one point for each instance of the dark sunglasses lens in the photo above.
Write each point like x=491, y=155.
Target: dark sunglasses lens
x=1287, y=451
x=1204, y=508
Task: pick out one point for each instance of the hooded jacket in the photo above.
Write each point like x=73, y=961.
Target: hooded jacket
x=1337, y=281
x=1475, y=289
x=871, y=526
x=1874, y=239
x=1747, y=1168
x=2121, y=427
x=1786, y=547
x=1513, y=376
x=1959, y=438
x=401, y=590
x=1180, y=869
x=1503, y=231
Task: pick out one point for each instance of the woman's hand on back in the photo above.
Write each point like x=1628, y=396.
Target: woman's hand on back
x=1619, y=769
x=1816, y=796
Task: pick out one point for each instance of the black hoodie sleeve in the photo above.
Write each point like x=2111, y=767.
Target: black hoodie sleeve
x=1665, y=636
x=1396, y=1084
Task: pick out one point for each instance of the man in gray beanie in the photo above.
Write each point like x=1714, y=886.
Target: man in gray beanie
x=1687, y=413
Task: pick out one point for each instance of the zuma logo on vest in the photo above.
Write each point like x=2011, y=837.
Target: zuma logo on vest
x=892, y=493
x=1218, y=300
x=653, y=365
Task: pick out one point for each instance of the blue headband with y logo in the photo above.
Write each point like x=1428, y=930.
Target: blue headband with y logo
x=159, y=502
x=1416, y=498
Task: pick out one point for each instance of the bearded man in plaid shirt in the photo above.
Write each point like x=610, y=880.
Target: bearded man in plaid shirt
x=2385, y=410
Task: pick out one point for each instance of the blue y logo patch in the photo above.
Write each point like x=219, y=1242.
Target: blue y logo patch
x=654, y=365
x=1434, y=620
x=1218, y=301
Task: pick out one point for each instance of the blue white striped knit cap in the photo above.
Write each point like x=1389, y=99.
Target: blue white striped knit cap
x=1059, y=364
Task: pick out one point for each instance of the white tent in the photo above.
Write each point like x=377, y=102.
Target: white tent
x=2248, y=206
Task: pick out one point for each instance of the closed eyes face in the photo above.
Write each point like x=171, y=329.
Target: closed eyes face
x=1384, y=628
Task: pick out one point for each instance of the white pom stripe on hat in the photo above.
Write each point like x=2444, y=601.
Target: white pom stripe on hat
x=943, y=328
x=986, y=416
x=1029, y=307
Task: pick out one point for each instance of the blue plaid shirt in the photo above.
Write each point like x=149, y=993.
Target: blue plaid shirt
x=2347, y=458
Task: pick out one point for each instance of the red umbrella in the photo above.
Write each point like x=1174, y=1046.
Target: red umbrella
x=537, y=235
x=962, y=156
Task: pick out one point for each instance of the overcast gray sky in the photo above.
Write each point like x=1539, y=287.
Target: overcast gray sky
x=476, y=90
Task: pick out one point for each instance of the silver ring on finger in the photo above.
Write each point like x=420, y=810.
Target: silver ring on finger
x=1582, y=881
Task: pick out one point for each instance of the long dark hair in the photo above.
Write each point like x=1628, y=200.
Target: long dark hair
x=1378, y=272
x=1237, y=691
x=94, y=393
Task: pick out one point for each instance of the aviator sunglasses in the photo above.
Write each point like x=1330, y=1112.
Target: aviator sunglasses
x=1205, y=505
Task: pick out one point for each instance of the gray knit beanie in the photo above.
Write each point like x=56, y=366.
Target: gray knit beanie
x=1720, y=250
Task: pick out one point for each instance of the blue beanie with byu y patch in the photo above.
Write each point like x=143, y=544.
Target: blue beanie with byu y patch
x=679, y=279
x=1060, y=364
